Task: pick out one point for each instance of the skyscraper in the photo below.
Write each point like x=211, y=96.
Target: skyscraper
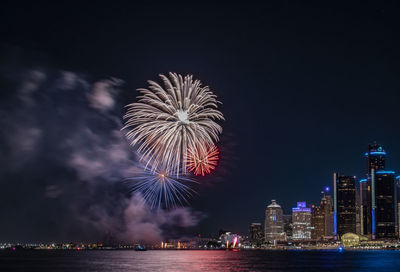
x=256, y=235
x=365, y=207
x=375, y=157
x=287, y=226
x=317, y=222
x=301, y=222
x=327, y=206
x=345, y=204
x=398, y=204
x=384, y=194
x=322, y=218
x=376, y=161
x=378, y=196
x=273, y=223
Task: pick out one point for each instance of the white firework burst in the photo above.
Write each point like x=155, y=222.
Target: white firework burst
x=168, y=121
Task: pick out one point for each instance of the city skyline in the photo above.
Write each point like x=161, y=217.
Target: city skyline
x=199, y=136
x=366, y=207
x=303, y=88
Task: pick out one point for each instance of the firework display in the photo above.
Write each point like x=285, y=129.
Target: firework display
x=169, y=120
x=159, y=188
x=202, y=163
x=174, y=128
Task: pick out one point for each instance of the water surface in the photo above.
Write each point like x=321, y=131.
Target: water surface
x=198, y=260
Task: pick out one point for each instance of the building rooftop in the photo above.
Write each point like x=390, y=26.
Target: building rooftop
x=273, y=204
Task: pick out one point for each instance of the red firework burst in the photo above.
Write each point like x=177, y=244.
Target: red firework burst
x=201, y=162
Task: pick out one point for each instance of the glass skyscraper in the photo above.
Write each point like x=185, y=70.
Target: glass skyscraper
x=344, y=204
x=385, y=215
x=365, y=207
x=378, y=196
x=376, y=157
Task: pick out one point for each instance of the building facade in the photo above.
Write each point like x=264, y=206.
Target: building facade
x=376, y=158
x=301, y=222
x=256, y=234
x=378, y=197
x=317, y=222
x=322, y=218
x=273, y=229
x=375, y=161
x=385, y=207
x=327, y=206
x=287, y=226
x=344, y=204
x=398, y=205
x=365, y=207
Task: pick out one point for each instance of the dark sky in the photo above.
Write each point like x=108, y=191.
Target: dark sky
x=305, y=87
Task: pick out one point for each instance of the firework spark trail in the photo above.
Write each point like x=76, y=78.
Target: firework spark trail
x=160, y=188
x=168, y=121
x=202, y=163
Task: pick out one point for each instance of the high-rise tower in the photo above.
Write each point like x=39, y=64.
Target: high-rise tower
x=398, y=205
x=322, y=217
x=365, y=207
x=256, y=235
x=274, y=223
x=376, y=157
x=385, y=215
x=378, y=196
x=344, y=204
x=301, y=220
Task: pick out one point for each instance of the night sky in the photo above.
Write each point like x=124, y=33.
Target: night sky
x=304, y=87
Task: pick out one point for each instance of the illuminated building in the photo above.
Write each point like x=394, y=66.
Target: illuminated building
x=365, y=207
x=301, y=222
x=378, y=197
x=274, y=223
x=376, y=161
x=384, y=195
x=375, y=157
x=322, y=218
x=317, y=222
x=350, y=239
x=256, y=235
x=344, y=204
x=358, y=209
x=287, y=226
x=398, y=205
x=327, y=206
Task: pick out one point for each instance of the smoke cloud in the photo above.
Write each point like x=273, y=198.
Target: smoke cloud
x=63, y=161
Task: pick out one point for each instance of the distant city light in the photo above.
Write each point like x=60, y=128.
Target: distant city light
x=385, y=172
x=382, y=153
x=377, y=153
x=327, y=188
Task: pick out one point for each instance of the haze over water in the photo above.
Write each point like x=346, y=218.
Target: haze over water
x=198, y=260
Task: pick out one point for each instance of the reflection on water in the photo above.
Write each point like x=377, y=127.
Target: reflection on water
x=197, y=260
